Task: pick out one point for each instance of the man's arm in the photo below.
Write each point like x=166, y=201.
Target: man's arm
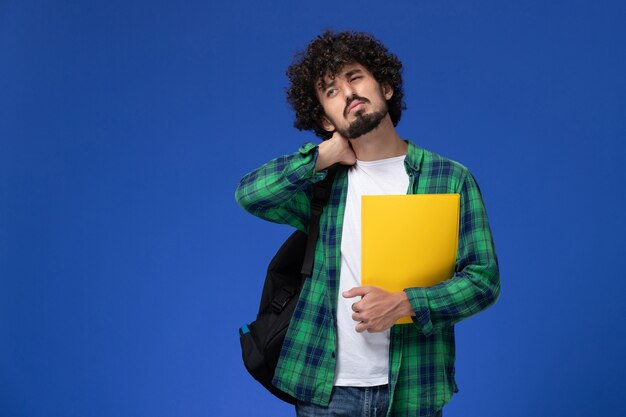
x=279, y=191
x=476, y=284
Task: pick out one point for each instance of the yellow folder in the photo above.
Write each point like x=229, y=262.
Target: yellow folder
x=408, y=240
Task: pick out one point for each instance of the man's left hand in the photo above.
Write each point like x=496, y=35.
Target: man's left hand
x=378, y=309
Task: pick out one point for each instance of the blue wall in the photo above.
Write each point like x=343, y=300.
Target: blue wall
x=126, y=266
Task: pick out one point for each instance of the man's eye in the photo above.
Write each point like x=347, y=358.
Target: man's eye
x=331, y=92
x=356, y=78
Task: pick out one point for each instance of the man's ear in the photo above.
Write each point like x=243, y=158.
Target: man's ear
x=326, y=124
x=387, y=91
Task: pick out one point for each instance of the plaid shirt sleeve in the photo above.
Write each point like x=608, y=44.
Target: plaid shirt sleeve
x=476, y=283
x=279, y=191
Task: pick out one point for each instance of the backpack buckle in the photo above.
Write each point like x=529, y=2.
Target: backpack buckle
x=281, y=300
x=317, y=207
x=319, y=199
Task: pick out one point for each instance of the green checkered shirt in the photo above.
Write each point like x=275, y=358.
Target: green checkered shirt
x=422, y=354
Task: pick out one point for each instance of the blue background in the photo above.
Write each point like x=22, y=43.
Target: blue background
x=126, y=266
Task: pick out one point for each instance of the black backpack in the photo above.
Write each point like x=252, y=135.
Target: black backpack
x=262, y=340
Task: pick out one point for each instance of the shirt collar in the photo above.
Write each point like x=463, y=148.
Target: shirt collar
x=414, y=154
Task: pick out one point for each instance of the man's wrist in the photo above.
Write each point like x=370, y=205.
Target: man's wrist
x=324, y=156
x=404, y=305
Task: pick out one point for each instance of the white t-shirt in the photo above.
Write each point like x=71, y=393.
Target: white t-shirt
x=362, y=358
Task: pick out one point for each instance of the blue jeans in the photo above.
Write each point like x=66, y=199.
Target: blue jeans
x=351, y=402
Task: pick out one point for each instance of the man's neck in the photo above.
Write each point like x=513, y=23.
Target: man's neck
x=382, y=142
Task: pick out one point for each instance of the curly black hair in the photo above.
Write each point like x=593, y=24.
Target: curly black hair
x=326, y=55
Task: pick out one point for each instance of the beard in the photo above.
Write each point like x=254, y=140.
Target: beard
x=363, y=124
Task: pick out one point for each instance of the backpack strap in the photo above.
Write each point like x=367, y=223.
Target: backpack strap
x=321, y=195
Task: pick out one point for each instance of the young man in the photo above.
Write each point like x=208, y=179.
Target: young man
x=342, y=354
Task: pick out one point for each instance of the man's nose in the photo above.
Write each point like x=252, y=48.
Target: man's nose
x=348, y=90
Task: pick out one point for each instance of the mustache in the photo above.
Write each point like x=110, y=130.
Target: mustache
x=350, y=100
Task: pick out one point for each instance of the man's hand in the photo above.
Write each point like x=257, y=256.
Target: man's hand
x=378, y=309
x=336, y=149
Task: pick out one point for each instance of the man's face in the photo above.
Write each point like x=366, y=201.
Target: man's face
x=354, y=102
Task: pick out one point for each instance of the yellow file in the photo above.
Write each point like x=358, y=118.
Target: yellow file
x=409, y=240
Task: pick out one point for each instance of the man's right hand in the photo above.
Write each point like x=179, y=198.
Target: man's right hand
x=336, y=149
